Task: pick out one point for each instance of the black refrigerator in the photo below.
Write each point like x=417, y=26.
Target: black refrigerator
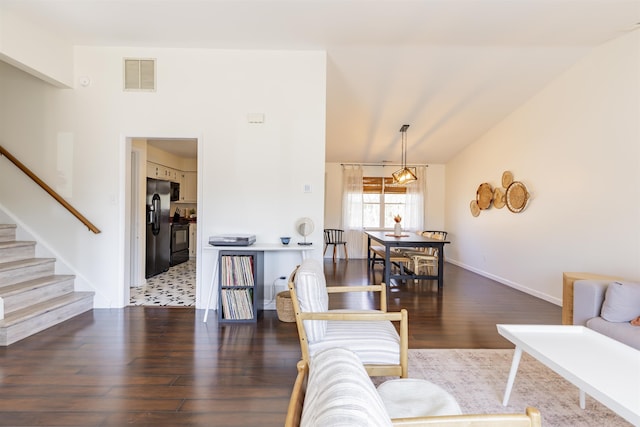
x=158, y=227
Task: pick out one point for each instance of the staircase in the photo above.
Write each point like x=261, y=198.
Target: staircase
x=32, y=296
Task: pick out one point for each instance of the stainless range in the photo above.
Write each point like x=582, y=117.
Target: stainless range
x=179, y=243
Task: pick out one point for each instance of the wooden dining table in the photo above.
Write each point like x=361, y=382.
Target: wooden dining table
x=406, y=240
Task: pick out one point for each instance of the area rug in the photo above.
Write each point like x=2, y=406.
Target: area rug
x=477, y=379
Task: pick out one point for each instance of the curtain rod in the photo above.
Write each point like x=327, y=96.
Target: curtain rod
x=382, y=164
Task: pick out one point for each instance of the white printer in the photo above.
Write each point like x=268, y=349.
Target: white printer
x=232, y=240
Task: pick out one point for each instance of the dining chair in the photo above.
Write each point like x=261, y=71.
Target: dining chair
x=334, y=236
x=426, y=258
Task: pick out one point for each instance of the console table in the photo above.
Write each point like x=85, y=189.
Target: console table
x=256, y=247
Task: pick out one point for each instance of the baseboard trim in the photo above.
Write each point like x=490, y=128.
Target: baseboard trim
x=514, y=285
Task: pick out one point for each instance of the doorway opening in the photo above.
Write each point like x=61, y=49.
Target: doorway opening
x=161, y=267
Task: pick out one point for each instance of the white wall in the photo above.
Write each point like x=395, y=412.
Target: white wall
x=333, y=195
x=576, y=146
x=251, y=177
x=35, y=50
x=434, y=209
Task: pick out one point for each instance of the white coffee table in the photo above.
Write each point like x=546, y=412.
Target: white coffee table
x=604, y=368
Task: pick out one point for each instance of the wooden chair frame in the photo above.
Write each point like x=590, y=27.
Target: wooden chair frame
x=531, y=418
x=424, y=257
x=401, y=369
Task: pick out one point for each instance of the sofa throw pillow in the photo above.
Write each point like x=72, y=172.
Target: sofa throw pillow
x=621, y=302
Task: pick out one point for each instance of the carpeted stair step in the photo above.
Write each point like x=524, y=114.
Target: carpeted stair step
x=35, y=291
x=13, y=272
x=38, y=317
x=7, y=232
x=16, y=250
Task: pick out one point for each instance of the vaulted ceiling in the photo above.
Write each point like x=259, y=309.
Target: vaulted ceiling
x=451, y=69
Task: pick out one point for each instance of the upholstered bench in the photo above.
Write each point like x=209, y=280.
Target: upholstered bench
x=395, y=257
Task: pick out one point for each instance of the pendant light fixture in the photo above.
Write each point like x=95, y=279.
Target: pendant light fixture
x=404, y=175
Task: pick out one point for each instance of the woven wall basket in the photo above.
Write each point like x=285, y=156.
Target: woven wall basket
x=484, y=196
x=284, y=307
x=516, y=197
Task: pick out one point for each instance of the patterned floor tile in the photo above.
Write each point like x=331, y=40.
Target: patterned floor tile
x=176, y=287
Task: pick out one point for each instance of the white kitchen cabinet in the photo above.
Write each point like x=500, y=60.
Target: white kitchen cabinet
x=189, y=187
x=158, y=171
x=153, y=170
x=174, y=175
x=180, y=180
x=192, y=240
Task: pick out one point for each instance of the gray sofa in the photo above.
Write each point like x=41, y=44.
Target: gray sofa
x=607, y=307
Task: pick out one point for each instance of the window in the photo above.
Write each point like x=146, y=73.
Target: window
x=382, y=200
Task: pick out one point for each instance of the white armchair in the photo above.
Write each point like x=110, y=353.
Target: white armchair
x=369, y=333
x=335, y=390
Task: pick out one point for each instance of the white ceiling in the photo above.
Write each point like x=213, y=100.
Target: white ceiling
x=452, y=69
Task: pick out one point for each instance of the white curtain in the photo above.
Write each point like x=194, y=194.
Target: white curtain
x=352, y=210
x=414, y=208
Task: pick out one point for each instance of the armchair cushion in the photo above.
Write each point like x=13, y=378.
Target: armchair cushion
x=412, y=397
x=621, y=302
x=375, y=342
x=311, y=290
x=340, y=393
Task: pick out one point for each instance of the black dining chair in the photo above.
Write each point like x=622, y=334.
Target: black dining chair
x=333, y=236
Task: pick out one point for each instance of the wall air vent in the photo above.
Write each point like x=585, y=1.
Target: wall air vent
x=139, y=74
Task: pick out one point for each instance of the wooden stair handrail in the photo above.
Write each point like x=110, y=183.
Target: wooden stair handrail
x=49, y=190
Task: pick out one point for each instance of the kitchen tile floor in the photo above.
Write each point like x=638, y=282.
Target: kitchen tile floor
x=176, y=287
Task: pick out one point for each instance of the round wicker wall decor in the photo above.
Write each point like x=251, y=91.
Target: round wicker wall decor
x=517, y=197
x=484, y=195
x=498, y=198
x=473, y=206
x=507, y=179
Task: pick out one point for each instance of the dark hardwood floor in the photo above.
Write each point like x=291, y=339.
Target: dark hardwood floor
x=165, y=367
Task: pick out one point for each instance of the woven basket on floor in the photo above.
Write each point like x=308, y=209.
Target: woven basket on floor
x=284, y=307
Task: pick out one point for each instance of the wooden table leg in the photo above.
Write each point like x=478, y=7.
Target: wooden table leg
x=387, y=266
x=440, y=267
